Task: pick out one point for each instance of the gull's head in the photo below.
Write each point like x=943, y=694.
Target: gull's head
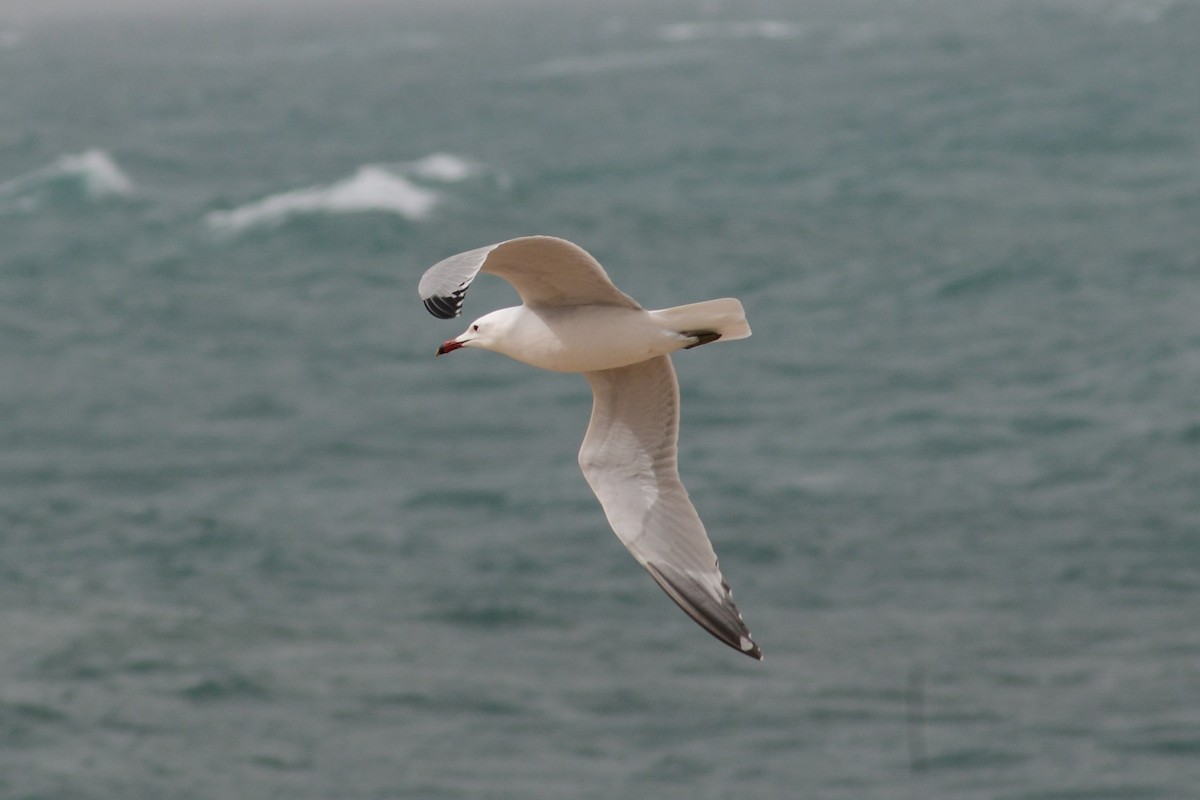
x=486, y=333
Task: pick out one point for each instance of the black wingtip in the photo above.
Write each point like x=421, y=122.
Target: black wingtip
x=446, y=306
x=723, y=622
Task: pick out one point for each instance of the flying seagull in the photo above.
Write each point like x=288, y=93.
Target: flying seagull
x=575, y=320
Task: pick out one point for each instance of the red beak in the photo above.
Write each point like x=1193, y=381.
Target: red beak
x=448, y=347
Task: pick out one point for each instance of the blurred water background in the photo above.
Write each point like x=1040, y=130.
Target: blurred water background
x=255, y=542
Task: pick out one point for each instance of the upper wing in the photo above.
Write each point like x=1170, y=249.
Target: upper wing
x=629, y=459
x=544, y=270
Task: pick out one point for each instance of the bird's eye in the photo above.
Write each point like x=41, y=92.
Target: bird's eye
x=475, y=328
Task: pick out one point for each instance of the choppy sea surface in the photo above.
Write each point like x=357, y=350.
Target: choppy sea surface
x=256, y=543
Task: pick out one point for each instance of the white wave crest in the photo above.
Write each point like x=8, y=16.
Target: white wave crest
x=371, y=188
x=98, y=172
x=92, y=173
x=442, y=168
x=755, y=29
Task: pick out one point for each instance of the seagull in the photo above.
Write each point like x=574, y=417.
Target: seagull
x=574, y=319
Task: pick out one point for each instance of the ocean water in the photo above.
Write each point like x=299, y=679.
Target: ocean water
x=255, y=542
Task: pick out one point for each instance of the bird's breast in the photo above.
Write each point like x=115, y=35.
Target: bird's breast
x=588, y=338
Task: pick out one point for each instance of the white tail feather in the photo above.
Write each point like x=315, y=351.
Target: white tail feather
x=725, y=316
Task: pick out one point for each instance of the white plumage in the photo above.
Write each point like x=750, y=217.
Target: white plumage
x=573, y=319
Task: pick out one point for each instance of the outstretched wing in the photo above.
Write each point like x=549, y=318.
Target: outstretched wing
x=629, y=457
x=544, y=270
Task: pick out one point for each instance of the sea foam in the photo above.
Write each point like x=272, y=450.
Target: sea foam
x=442, y=168
x=94, y=174
x=751, y=29
x=97, y=171
x=388, y=188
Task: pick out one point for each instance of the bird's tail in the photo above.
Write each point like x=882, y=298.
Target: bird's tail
x=724, y=316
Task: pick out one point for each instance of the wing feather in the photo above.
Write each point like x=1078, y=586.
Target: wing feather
x=544, y=270
x=629, y=457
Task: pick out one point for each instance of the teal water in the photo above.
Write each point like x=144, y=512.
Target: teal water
x=255, y=542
